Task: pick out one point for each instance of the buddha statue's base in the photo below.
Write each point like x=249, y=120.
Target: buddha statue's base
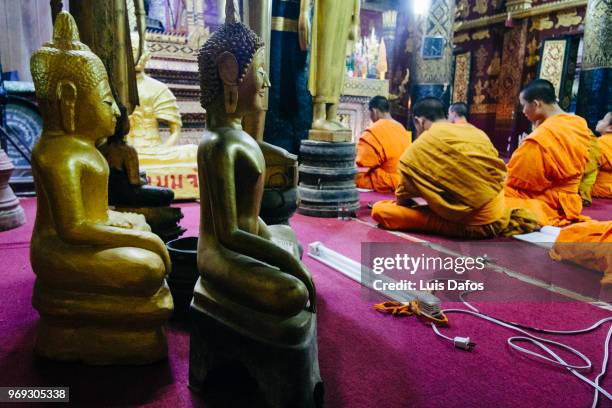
x=11, y=213
x=345, y=135
x=164, y=221
x=285, y=367
x=12, y=218
x=101, y=329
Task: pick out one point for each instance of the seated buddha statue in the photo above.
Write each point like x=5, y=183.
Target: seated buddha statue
x=167, y=164
x=125, y=186
x=253, y=290
x=100, y=285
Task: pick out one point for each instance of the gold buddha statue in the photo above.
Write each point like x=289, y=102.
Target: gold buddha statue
x=100, y=288
x=167, y=164
x=334, y=23
x=253, y=290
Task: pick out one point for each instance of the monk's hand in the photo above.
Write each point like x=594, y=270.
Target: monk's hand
x=304, y=31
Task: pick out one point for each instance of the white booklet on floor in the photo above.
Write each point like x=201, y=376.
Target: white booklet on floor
x=545, y=237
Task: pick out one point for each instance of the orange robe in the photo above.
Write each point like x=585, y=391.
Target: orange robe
x=379, y=150
x=588, y=244
x=590, y=173
x=456, y=169
x=603, y=185
x=544, y=173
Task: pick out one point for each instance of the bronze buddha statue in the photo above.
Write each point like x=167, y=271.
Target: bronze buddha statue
x=100, y=288
x=254, y=299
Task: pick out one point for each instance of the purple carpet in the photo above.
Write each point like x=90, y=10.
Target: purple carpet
x=367, y=359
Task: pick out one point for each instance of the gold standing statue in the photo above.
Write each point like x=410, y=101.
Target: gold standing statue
x=334, y=23
x=100, y=288
x=167, y=164
x=253, y=288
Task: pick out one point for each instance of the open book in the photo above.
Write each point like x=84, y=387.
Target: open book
x=545, y=237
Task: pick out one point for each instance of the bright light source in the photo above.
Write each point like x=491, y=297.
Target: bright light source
x=421, y=7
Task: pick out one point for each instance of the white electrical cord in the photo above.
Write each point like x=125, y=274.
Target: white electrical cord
x=539, y=342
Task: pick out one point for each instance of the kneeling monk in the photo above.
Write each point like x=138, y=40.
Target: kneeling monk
x=544, y=173
x=380, y=148
x=603, y=185
x=456, y=169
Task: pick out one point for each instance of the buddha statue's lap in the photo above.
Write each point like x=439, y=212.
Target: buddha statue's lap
x=94, y=267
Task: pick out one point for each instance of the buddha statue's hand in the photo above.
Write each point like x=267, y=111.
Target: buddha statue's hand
x=127, y=220
x=304, y=30
x=304, y=275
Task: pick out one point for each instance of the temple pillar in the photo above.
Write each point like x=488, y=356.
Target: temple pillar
x=433, y=51
x=595, y=91
x=510, y=83
x=388, y=35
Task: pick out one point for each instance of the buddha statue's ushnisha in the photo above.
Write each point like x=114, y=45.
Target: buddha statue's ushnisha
x=168, y=163
x=100, y=288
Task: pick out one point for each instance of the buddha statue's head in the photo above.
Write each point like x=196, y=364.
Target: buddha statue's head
x=139, y=63
x=72, y=86
x=232, y=74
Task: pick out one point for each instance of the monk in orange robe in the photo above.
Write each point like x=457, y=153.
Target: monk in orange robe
x=458, y=113
x=544, y=173
x=603, y=184
x=380, y=147
x=456, y=169
x=588, y=244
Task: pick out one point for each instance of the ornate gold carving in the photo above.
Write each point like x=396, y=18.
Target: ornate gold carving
x=461, y=38
x=597, y=35
x=284, y=24
x=538, y=10
x=509, y=83
x=533, y=57
x=462, y=77
x=480, y=6
x=568, y=19
x=365, y=87
x=481, y=35
x=495, y=65
x=543, y=23
x=463, y=8
x=481, y=59
x=483, y=108
x=553, y=57
x=518, y=5
x=479, y=95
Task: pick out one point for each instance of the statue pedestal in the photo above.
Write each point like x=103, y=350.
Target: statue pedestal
x=286, y=375
x=327, y=179
x=330, y=136
x=11, y=213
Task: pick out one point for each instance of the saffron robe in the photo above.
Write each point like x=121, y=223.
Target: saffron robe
x=603, y=185
x=379, y=149
x=590, y=173
x=456, y=169
x=544, y=173
x=588, y=244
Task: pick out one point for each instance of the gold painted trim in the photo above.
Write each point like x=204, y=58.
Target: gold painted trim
x=284, y=24
x=531, y=12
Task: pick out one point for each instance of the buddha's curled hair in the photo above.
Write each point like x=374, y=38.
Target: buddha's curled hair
x=235, y=38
